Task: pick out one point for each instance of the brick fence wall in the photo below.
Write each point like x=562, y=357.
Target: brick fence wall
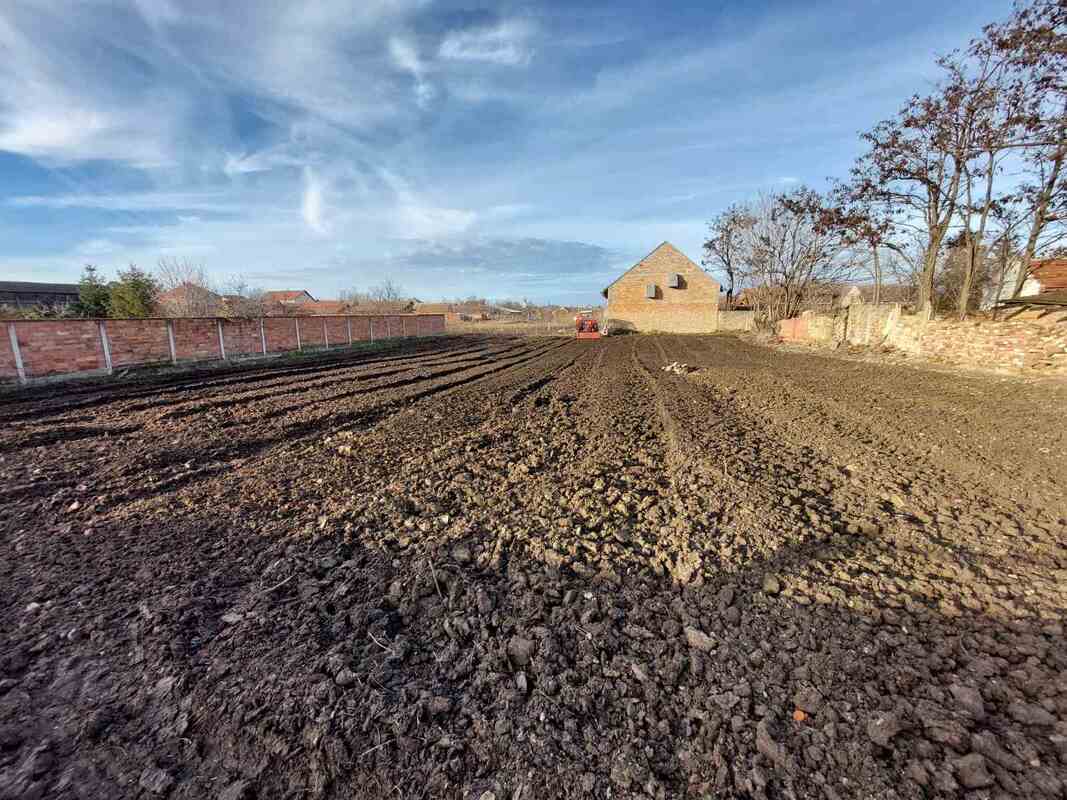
x=1019, y=343
x=45, y=348
x=136, y=341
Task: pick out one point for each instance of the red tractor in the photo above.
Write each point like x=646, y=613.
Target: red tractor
x=586, y=327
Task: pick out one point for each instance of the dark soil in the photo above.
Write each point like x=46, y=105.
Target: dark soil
x=506, y=568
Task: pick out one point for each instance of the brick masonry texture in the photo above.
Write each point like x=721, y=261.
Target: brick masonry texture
x=992, y=344
x=58, y=347
x=311, y=333
x=337, y=331
x=137, y=341
x=360, y=329
x=241, y=337
x=196, y=339
x=691, y=308
x=54, y=347
x=280, y=333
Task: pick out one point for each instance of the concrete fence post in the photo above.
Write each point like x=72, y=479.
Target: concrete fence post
x=107, y=347
x=222, y=343
x=262, y=336
x=325, y=334
x=349, y=321
x=298, y=345
x=370, y=327
x=20, y=368
x=170, y=341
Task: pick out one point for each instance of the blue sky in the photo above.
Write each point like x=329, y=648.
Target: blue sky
x=507, y=150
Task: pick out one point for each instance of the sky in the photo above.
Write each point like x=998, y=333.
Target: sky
x=509, y=150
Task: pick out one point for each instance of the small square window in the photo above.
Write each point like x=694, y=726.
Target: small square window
x=650, y=291
x=674, y=280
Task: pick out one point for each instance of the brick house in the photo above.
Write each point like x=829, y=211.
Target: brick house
x=664, y=291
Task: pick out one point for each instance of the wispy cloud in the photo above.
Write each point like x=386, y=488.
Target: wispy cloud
x=420, y=219
x=138, y=201
x=406, y=58
x=313, y=204
x=506, y=44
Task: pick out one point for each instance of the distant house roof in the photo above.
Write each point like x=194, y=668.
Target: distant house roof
x=184, y=291
x=326, y=307
x=289, y=296
x=27, y=294
x=28, y=286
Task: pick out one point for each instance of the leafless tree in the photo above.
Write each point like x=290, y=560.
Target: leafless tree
x=187, y=290
x=789, y=253
x=725, y=246
x=385, y=293
x=242, y=300
x=914, y=167
x=1033, y=44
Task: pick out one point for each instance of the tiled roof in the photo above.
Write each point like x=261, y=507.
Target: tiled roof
x=287, y=295
x=325, y=307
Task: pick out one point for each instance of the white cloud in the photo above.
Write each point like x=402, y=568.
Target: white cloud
x=52, y=111
x=418, y=219
x=262, y=161
x=427, y=222
x=153, y=201
x=505, y=44
x=406, y=58
x=97, y=247
x=312, y=206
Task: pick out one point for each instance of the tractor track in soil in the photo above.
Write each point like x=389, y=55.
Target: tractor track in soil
x=537, y=568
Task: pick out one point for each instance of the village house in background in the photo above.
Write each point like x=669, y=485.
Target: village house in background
x=1046, y=278
x=664, y=291
x=28, y=294
x=289, y=297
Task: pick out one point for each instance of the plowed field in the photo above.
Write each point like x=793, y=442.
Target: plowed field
x=536, y=568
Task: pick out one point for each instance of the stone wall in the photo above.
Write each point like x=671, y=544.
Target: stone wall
x=46, y=348
x=1014, y=344
x=737, y=320
x=1020, y=343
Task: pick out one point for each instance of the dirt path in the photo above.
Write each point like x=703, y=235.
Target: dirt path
x=537, y=568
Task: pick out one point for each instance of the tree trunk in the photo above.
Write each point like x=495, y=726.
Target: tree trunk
x=1038, y=224
x=1004, y=252
x=978, y=239
x=964, y=301
x=926, y=278
x=877, y=274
